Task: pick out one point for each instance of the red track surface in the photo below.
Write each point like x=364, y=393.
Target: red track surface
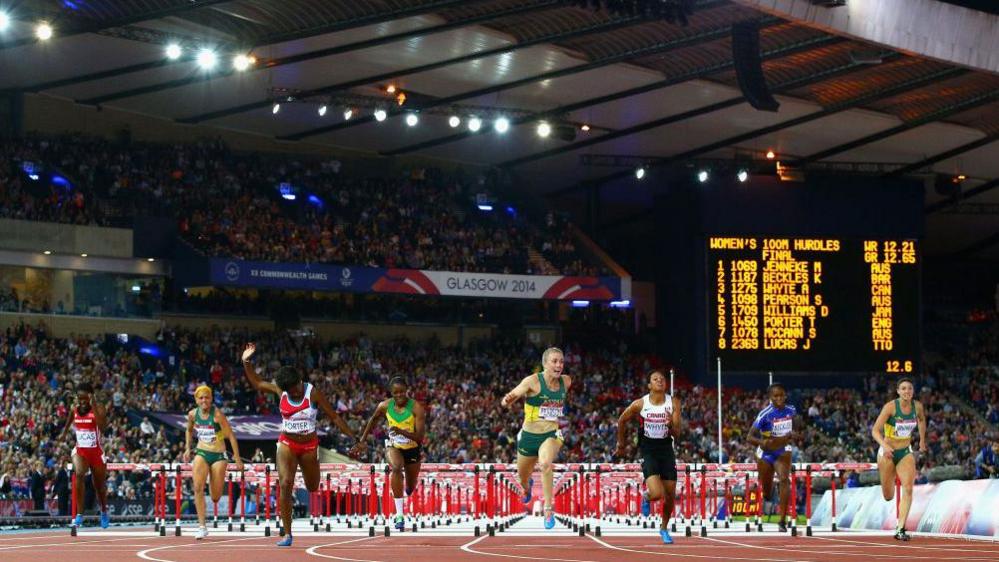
x=56, y=546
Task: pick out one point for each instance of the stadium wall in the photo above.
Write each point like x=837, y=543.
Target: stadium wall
x=953, y=506
x=62, y=326
x=34, y=236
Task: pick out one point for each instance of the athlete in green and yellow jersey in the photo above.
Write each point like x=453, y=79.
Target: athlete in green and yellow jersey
x=540, y=438
x=893, y=430
x=211, y=428
x=406, y=420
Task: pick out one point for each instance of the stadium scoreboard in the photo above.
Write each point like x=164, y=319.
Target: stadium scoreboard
x=813, y=304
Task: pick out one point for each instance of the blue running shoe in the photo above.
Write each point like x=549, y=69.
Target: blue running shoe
x=646, y=507
x=105, y=520
x=78, y=520
x=664, y=535
x=527, y=492
x=400, y=522
x=286, y=541
x=549, y=519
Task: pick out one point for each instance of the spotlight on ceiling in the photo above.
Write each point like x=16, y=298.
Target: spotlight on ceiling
x=640, y=173
x=207, y=59
x=743, y=175
x=544, y=129
x=173, y=51
x=4, y=20
x=702, y=176
x=43, y=31
x=412, y=119
x=242, y=62
x=502, y=125
x=771, y=155
x=347, y=114
x=454, y=121
x=276, y=108
x=474, y=123
x=584, y=128
x=380, y=115
x=322, y=110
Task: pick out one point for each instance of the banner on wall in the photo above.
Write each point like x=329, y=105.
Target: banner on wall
x=244, y=427
x=965, y=507
x=322, y=277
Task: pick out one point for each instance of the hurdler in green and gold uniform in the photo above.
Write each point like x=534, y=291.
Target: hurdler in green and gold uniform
x=406, y=420
x=210, y=427
x=894, y=429
x=540, y=439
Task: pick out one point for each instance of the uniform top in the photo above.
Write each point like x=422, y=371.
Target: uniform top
x=775, y=422
x=88, y=434
x=403, y=420
x=207, y=429
x=548, y=405
x=298, y=417
x=654, y=420
x=900, y=425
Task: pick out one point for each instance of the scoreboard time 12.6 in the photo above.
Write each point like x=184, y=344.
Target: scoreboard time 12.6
x=810, y=304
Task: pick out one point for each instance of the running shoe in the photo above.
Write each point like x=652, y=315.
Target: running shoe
x=664, y=535
x=202, y=533
x=400, y=522
x=549, y=519
x=782, y=526
x=527, y=492
x=901, y=535
x=105, y=520
x=78, y=520
x=646, y=506
x=286, y=541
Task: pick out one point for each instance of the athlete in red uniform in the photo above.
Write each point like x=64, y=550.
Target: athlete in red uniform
x=300, y=402
x=88, y=420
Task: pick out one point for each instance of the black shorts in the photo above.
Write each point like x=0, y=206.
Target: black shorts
x=410, y=456
x=661, y=463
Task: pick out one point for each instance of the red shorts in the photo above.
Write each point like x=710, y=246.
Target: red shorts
x=298, y=449
x=93, y=455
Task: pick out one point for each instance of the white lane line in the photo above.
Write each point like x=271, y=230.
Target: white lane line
x=144, y=554
x=312, y=550
x=669, y=547
x=65, y=543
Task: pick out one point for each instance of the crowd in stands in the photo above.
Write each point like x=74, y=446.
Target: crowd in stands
x=460, y=387
x=229, y=204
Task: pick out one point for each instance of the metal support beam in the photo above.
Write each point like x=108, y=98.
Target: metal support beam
x=916, y=166
x=396, y=74
x=920, y=82
x=278, y=38
x=975, y=247
x=964, y=196
x=703, y=36
x=320, y=53
x=686, y=115
x=79, y=27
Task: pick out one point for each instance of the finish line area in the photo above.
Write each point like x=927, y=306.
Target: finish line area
x=468, y=512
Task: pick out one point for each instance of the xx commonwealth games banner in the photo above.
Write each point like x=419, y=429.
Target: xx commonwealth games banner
x=322, y=277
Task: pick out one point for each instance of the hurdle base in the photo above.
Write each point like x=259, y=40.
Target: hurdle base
x=704, y=531
x=582, y=531
x=371, y=531
x=687, y=532
x=230, y=526
x=596, y=531
x=492, y=531
x=794, y=531
x=478, y=532
x=808, y=531
x=329, y=527
x=72, y=531
x=267, y=531
x=242, y=527
x=176, y=531
x=387, y=532
x=834, y=528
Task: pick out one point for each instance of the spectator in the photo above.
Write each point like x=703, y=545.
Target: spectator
x=987, y=460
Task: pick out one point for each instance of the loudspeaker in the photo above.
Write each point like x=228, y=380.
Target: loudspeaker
x=749, y=66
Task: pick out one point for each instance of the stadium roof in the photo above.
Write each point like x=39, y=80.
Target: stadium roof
x=856, y=85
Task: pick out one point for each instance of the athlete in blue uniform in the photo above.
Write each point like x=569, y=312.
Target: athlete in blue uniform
x=771, y=433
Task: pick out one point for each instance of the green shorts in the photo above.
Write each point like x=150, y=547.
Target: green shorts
x=898, y=454
x=211, y=457
x=529, y=443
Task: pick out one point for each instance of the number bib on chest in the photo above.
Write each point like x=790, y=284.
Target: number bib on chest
x=398, y=438
x=86, y=438
x=550, y=411
x=781, y=427
x=205, y=434
x=656, y=429
x=298, y=426
x=904, y=428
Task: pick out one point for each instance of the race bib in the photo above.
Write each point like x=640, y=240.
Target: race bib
x=206, y=434
x=86, y=438
x=656, y=430
x=781, y=427
x=398, y=438
x=298, y=426
x=904, y=428
x=551, y=411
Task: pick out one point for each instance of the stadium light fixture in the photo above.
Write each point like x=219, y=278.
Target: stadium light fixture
x=242, y=62
x=544, y=129
x=322, y=110
x=743, y=175
x=474, y=124
x=412, y=120
x=454, y=121
x=640, y=173
x=44, y=31
x=380, y=115
x=702, y=176
x=347, y=114
x=275, y=108
x=501, y=125
x=207, y=59
x=173, y=51
x=4, y=21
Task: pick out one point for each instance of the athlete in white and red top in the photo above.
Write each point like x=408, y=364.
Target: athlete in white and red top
x=88, y=419
x=659, y=416
x=300, y=402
